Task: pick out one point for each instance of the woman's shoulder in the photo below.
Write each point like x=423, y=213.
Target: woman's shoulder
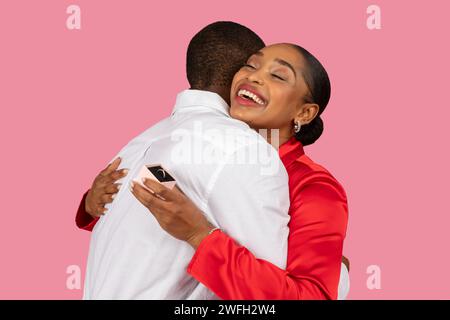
x=304, y=172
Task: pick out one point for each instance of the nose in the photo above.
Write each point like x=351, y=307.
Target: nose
x=255, y=77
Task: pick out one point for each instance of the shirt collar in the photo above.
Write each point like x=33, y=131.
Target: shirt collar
x=200, y=98
x=290, y=151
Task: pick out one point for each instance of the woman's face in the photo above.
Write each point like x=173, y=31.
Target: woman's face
x=269, y=91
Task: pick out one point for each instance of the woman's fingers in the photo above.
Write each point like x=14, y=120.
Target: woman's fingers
x=111, y=167
x=112, y=188
x=160, y=189
x=118, y=174
x=112, y=176
x=178, y=191
x=107, y=198
x=177, y=215
x=98, y=211
x=153, y=203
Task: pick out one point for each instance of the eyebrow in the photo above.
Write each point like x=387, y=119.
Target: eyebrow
x=287, y=64
x=280, y=61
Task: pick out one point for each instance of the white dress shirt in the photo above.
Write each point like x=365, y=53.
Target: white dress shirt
x=227, y=169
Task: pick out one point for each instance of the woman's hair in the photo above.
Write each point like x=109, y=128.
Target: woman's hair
x=316, y=78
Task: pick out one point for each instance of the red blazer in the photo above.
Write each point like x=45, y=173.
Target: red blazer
x=318, y=224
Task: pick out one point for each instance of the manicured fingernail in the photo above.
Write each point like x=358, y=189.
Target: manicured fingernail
x=144, y=179
x=125, y=171
x=113, y=196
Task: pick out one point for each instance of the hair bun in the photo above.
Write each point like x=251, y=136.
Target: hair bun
x=310, y=132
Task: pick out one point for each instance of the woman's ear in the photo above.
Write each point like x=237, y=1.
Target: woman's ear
x=306, y=113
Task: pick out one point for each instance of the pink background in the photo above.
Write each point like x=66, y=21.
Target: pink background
x=70, y=99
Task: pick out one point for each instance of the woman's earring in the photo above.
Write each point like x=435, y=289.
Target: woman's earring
x=297, y=127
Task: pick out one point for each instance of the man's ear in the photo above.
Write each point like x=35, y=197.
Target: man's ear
x=306, y=113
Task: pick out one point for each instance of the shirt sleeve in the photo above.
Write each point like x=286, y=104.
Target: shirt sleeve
x=83, y=219
x=317, y=229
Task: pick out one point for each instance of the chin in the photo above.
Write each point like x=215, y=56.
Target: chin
x=250, y=119
x=240, y=113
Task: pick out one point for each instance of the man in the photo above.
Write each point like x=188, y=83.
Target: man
x=130, y=256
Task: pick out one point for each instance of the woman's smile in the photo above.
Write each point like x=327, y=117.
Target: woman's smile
x=247, y=95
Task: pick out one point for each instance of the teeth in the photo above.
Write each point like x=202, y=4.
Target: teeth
x=248, y=94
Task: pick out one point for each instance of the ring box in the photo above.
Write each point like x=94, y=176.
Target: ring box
x=156, y=172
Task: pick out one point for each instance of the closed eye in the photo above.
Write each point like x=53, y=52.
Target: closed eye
x=249, y=66
x=278, y=77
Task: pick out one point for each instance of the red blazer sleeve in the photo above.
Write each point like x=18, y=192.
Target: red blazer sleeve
x=317, y=230
x=83, y=219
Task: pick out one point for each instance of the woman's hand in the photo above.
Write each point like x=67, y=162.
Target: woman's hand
x=175, y=212
x=104, y=189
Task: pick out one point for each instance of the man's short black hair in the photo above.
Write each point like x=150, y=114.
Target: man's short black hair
x=217, y=52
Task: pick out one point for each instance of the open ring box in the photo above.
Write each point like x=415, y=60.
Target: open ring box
x=155, y=172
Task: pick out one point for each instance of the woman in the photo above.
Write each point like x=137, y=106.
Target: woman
x=281, y=87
